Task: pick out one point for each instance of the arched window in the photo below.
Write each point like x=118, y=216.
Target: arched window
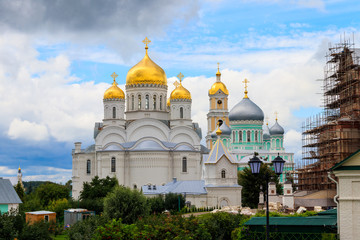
x=233, y=137
x=154, y=102
x=223, y=173
x=220, y=122
x=135, y=186
x=114, y=112
x=184, y=164
x=139, y=102
x=277, y=143
x=181, y=113
x=88, y=166
x=256, y=136
x=240, y=136
x=147, y=102
x=113, y=164
x=248, y=136
x=161, y=100
x=132, y=102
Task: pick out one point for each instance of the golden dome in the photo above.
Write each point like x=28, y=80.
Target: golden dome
x=168, y=102
x=216, y=86
x=114, y=92
x=180, y=93
x=146, y=72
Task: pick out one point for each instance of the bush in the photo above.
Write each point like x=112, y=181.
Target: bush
x=59, y=206
x=11, y=224
x=116, y=230
x=35, y=231
x=220, y=225
x=126, y=204
x=85, y=229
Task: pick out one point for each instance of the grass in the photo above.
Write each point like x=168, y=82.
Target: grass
x=61, y=237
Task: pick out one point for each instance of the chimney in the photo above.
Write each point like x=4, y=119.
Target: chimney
x=77, y=147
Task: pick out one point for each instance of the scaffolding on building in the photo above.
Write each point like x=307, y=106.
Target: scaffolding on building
x=334, y=134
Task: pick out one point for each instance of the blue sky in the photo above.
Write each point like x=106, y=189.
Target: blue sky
x=56, y=62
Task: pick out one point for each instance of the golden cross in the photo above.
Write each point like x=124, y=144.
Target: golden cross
x=180, y=76
x=246, y=92
x=176, y=84
x=218, y=66
x=276, y=115
x=114, y=76
x=146, y=41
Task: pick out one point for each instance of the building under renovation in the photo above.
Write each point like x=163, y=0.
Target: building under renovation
x=334, y=134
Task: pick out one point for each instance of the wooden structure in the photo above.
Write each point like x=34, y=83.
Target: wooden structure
x=71, y=216
x=46, y=216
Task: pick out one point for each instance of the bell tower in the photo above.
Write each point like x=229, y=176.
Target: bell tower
x=218, y=107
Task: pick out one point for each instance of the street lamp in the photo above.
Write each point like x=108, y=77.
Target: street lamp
x=278, y=164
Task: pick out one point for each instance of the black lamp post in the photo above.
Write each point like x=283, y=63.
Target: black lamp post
x=278, y=164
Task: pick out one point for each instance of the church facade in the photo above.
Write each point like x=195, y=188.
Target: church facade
x=149, y=142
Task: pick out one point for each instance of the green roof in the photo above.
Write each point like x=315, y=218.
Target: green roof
x=328, y=212
x=339, y=166
x=294, y=221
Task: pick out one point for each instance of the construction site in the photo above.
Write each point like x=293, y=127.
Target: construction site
x=334, y=134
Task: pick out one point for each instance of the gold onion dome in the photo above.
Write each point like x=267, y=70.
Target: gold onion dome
x=146, y=71
x=218, y=85
x=180, y=92
x=114, y=92
x=168, y=102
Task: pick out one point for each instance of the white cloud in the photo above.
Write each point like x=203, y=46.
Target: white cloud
x=46, y=173
x=27, y=130
x=4, y=170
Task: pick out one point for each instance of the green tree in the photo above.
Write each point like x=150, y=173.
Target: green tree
x=59, y=206
x=156, y=204
x=251, y=184
x=172, y=201
x=20, y=191
x=98, y=187
x=126, y=204
x=51, y=191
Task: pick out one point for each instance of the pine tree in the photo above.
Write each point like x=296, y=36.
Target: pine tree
x=20, y=191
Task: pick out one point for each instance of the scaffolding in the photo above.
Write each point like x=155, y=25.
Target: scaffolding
x=334, y=134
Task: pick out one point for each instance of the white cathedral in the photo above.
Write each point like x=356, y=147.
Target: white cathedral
x=149, y=142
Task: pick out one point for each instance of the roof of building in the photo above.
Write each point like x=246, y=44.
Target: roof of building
x=266, y=133
x=349, y=163
x=193, y=187
x=291, y=221
x=40, y=212
x=276, y=129
x=217, y=151
x=246, y=110
x=8, y=194
x=225, y=130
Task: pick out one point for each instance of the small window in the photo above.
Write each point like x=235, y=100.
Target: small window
x=147, y=102
x=149, y=187
x=135, y=186
x=233, y=137
x=220, y=122
x=132, y=102
x=184, y=164
x=113, y=164
x=88, y=166
x=46, y=218
x=256, y=136
x=154, y=102
x=248, y=136
x=181, y=113
x=139, y=102
x=223, y=173
x=114, y=112
x=161, y=100
x=154, y=187
x=240, y=136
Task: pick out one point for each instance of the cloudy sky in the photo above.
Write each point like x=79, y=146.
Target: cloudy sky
x=56, y=58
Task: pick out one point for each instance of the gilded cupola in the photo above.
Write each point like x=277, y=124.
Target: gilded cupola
x=218, y=85
x=180, y=92
x=114, y=92
x=146, y=71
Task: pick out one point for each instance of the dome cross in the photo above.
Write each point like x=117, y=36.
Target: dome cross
x=276, y=115
x=146, y=41
x=180, y=76
x=246, y=91
x=114, y=75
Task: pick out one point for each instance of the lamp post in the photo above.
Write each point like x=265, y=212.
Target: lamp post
x=278, y=164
